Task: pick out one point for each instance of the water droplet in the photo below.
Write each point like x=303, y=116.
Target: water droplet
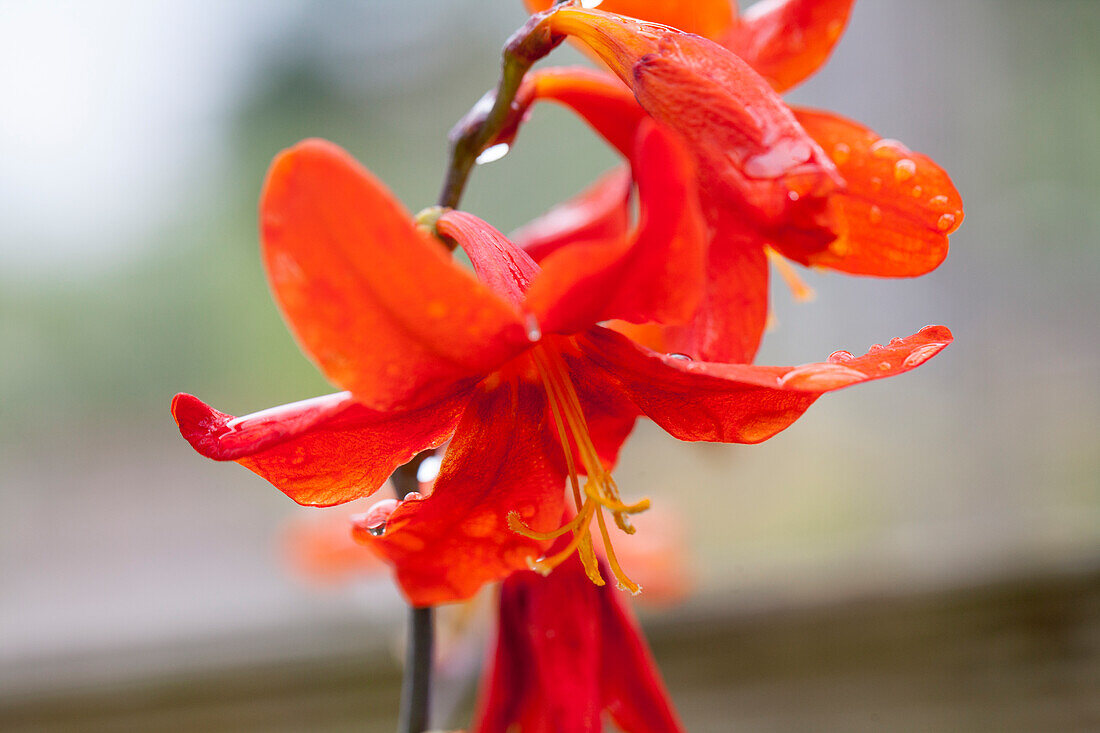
x=428, y=469
x=874, y=348
x=921, y=355
x=493, y=153
x=940, y=200
x=904, y=169
x=916, y=192
x=884, y=366
x=534, y=331
x=793, y=195
x=945, y=222
x=897, y=341
x=820, y=377
x=839, y=356
x=591, y=3
x=888, y=148
x=841, y=153
x=374, y=519
x=875, y=215
x=680, y=357
x=876, y=184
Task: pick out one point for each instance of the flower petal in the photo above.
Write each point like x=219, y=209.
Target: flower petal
x=655, y=275
x=566, y=651
x=894, y=216
x=600, y=98
x=379, y=306
x=707, y=18
x=600, y=213
x=788, y=40
x=729, y=323
x=500, y=264
x=740, y=403
x=323, y=451
x=751, y=152
x=503, y=458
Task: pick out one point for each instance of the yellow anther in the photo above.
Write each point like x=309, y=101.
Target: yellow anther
x=801, y=292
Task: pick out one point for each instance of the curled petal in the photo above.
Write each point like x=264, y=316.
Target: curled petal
x=503, y=458
x=499, y=263
x=740, y=403
x=601, y=213
x=896, y=212
x=378, y=305
x=788, y=40
x=655, y=275
x=323, y=451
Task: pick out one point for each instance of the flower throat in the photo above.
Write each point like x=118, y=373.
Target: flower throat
x=598, y=491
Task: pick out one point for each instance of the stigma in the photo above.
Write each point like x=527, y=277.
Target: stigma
x=593, y=493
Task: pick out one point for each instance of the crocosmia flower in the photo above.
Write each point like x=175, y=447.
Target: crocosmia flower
x=774, y=181
x=568, y=652
x=511, y=366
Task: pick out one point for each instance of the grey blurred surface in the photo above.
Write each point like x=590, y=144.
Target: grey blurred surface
x=134, y=139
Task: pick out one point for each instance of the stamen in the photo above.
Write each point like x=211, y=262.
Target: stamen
x=600, y=491
x=800, y=291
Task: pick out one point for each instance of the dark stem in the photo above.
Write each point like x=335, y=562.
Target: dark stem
x=417, y=683
x=496, y=111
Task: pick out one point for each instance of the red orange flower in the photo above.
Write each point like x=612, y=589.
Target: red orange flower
x=566, y=653
x=510, y=366
x=815, y=187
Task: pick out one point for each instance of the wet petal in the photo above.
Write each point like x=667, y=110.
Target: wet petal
x=566, y=652
x=599, y=214
x=503, y=458
x=379, y=306
x=740, y=403
x=894, y=216
x=655, y=275
x=788, y=40
x=323, y=451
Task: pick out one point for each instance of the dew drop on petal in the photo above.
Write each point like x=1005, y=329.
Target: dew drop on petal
x=904, y=169
x=921, y=355
x=838, y=357
x=945, y=222
x=534, y=330
x=884, y=366
x=888, y=148
x=876, y=184
x=493, y=153
x=916, y=192
x=875, y=348
x=820, y=377
x=680, y=357
x=428, y=470
x=591, y=3
x=875, y=215
x=841, y=153
x=940, y=200
x=897, y=341
x=374, y=519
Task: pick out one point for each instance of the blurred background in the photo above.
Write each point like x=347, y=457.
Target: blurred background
x=917, y=554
